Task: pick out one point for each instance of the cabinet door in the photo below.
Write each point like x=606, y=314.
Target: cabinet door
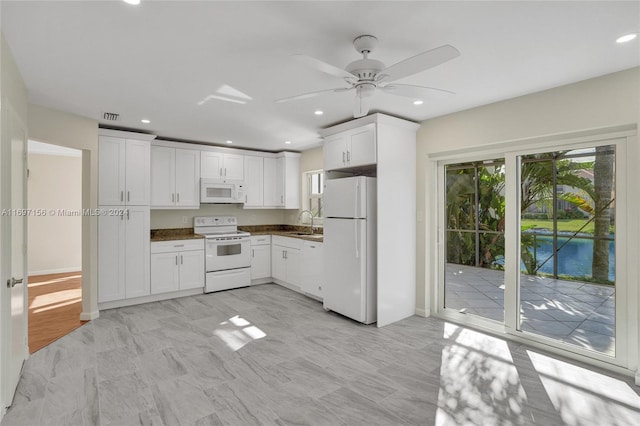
x=111, y=258
x=163, y=175
x=278, y=267
x=260, y=262
x=270, y=196
x=292, y=264
x=136, y=249
x=164, y=272
x=362, y=149
x=191, y=269
x=111, y=171
x=291, y=183
x=311, y=265
x=280, y=180
x=138, y=173
x=233, y=167
x=187, y=178
x=334, y=151
x=210, y=165
x=253, y=182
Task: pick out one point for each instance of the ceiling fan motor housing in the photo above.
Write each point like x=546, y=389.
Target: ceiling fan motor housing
x=365, y=69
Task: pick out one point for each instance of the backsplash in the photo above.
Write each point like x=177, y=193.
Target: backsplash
x=167, y=219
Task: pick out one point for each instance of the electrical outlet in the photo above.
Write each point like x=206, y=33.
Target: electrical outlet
x=185, y=220
x=420, y=215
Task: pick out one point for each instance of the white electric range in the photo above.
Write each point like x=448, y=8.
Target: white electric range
x=227, y=252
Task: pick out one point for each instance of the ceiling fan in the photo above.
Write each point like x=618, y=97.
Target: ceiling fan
x=366, y=75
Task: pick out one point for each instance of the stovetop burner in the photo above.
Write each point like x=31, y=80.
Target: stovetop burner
x=220, y=227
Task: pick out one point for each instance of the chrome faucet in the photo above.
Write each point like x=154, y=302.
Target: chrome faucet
x=310, y=214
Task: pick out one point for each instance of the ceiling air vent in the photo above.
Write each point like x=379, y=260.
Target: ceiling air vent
x=110, y=116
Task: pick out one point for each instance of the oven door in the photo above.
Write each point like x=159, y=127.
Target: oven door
x=227, y=254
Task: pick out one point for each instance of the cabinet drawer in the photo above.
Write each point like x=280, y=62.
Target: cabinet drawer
x=177, y=245
x=260, y=240
x=286, y=241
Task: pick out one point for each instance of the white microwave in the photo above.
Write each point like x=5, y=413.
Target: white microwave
x=214, y=191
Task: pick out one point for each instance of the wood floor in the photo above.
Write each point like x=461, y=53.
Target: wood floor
x=55, y=303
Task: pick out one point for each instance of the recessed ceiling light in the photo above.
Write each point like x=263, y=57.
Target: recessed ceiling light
x=418, y=102
x=287, y=142
x=134, y=2
x=318, y=112
x=627, y=37
x=229, y=141
x=145, y=121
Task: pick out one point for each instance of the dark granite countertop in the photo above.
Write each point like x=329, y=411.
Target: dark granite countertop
x=174, y=234
x=292, y=231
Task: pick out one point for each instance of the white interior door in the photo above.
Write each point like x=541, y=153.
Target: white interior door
x=14, y=244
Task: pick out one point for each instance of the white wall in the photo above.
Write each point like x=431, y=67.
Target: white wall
x=73, y=131
x=167, y=219
x=55, y=241
x=609, y=100
x=309, y=160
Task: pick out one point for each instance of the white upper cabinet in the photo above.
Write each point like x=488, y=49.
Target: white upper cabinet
x=123, y=172
x=270, y=197
x=352, y=148
x=223, y=167
x=175, y=177
x=253, y=181
x=279, y=181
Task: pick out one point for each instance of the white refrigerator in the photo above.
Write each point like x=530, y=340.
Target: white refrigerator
x=350, y=247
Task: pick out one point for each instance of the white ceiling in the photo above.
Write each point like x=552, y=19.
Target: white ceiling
x=159, y=59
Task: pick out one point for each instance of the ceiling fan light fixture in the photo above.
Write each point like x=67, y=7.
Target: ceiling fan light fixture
x=627, y=38
x=365, y=90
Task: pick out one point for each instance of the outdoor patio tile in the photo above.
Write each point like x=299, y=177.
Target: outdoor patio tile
x=567, y=315
x=590, y=298
x=548, y=328
x=598, y=290
x=598, y=317
x=597, y=327
x=592, y=341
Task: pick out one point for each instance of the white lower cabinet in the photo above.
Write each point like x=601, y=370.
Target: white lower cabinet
x=311, y=265
x=260, y=257
x=123, y=253
x=285, y=259
x=177, y=265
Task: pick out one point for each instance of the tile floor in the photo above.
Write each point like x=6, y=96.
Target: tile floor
x=578, y=313
x=265, y=355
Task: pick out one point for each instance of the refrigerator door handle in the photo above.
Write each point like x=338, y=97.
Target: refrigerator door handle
x=357, y=228
x=356, y=200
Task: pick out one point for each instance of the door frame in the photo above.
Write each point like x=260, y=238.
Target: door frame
x=10, y=118
x=627, y=357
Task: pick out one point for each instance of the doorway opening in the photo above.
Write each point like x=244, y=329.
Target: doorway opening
x=54, y=244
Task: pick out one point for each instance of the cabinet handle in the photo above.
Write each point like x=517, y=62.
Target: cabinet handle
x=173, y=198
x=128, y=196
x=343, y=157
x=121, y=195
x=127, y=214
x=221, y=172
x=178, y=197
x=176, y=260
x=225, y=172
x=178, y=245
x=181, y=259
x=282, y=199
x=283, y=254
x=348, y=156
x=286, y=254
x=253, y=253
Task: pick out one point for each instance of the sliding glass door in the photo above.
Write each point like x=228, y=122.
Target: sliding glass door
x=568, y=246
x=553, y=279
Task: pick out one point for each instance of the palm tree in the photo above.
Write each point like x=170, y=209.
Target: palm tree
x=603, y=186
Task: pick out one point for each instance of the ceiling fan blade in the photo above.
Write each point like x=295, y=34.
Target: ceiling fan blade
x=420, y=62
x=313, y=94
x=361, y=106
x=411, y=91
x=325, y=67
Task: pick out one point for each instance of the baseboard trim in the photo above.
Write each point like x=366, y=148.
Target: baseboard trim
x=150, y=298
x=88, y=316
x=56, y=271
x=423, y=312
